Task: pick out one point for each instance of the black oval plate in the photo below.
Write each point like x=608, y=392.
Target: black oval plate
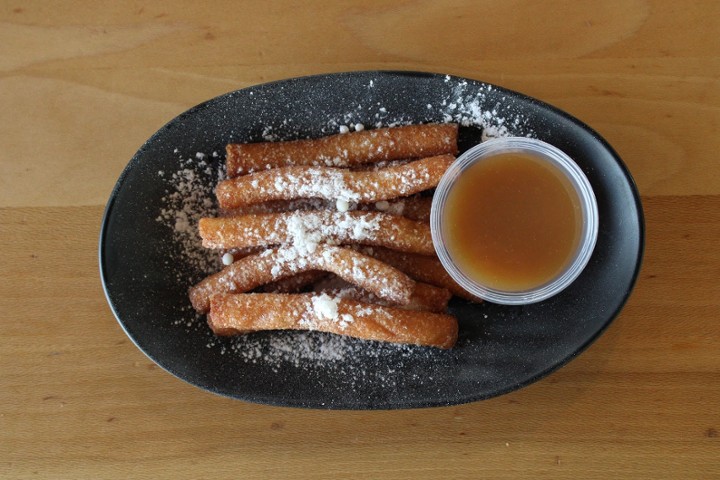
x=500, y=349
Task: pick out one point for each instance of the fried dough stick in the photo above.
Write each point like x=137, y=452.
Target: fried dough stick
x=322, y=226
x=290, y=183
x=423, y=268
x=345, y=150
x=244, y=313
x=252, y=271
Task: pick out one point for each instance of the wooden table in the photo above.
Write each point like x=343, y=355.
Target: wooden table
x=83, y=85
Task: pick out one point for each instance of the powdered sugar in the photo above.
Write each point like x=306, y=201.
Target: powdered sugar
x=382, y=205
x=320, y=356
x=228, y=259
x=188, y=198
x=318, y=183
x=307, y=229
x=342, y=205
x=325, y=307
x=468, y=106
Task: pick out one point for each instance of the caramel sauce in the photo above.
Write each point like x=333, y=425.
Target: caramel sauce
x=512, y=222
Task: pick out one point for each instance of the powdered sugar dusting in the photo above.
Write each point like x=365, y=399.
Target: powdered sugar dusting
x=469, y=103
x=329, y=185
x=188, y=198
x=469, y=106
x=353, y=363
x=325, y=306
x=305, y=230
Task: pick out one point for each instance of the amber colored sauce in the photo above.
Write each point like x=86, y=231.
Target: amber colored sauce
x=512, y=222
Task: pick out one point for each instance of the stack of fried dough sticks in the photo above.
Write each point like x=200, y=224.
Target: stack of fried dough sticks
x=332, y=234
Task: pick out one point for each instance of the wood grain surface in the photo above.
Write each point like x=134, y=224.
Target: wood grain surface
x=84, y=84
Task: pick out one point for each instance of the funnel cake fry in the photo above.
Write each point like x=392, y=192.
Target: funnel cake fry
x=332, y=184
x=345, y=150
x=244, y=313
x=323, y=226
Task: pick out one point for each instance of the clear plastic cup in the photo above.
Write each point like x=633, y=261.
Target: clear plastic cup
x=563, y=164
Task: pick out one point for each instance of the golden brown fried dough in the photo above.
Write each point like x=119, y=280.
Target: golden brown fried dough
x=313, y=227
x=345, y=150
x=243, y=313
x=290, y=183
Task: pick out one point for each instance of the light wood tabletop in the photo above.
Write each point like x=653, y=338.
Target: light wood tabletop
x=84, y=84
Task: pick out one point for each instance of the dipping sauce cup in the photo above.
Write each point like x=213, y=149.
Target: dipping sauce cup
x=514, y=220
